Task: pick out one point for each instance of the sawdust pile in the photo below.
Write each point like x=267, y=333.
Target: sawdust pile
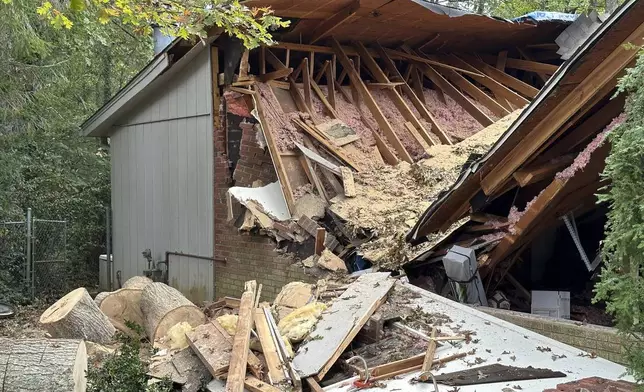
x=390, y=200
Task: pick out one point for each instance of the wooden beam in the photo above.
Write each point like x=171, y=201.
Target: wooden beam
x=239, y=354
x=380, y=76
x=525, y=65
x=417, y=85
x=313, y=385
x=262, y=60
x=243, y=67
x=501, y=60
x=273, y=363
x=602, y=75
x=386, y=153
x=309, y=169
x=322, y=97
x=501, y=92
x=501, y=77
x=544, y=78
x=415, y=100
x=539, y=172
x=331, y=148
x=371, y=103
x=419, y=139
x=306, y=84
x=322, y=71
x=414, y=57
x=429, y=355
x=311, y=64
x=453, y=92
x=380, y=86
x=474, y=92
x=287, y=57
x=273, y=60
x=330, y=83
x=298, y=99
x=273, y=149
x=327, y=26
x=282, y=73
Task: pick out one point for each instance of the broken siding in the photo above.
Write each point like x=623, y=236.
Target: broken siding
x=162, y=158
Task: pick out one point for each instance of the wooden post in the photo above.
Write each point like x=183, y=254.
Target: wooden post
x=330, y=86
x=306, y=84
x=239, y=355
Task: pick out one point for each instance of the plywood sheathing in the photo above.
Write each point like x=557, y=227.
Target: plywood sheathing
x=390, y=199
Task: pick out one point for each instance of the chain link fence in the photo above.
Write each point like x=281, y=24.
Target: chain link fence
x=33, y=255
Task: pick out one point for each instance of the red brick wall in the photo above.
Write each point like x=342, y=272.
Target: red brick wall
x=241, y=256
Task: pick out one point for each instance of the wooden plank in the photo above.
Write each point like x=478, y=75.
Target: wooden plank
x=500, y=91
x=330, y=84
x=309, y=168
x=332, y=149
x=254, y=384
x=322, y=71
x=371, y=104
x=282, y=73
x=501, y=77
x=214, y=79
x=333, y=334
x=602, y=75
x=544, y=78
x=386, y=153
x=474, y=92
x=320, y=236
x=429, y=354
x=313, y=385
x=347, y=181
x=322, y=97
x=419, y=139
x=306, y=84
x=415, y=98
x=531, y=66
x=453, y=92
x=273, y=363
x=239, y=354
x=395, y=97
x=536, y=173
x=327, y=26
x=212, y=347
x=275, y=153
x=501, y=60
x=408, y=365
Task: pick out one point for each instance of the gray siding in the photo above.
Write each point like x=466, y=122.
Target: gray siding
x=162, y=176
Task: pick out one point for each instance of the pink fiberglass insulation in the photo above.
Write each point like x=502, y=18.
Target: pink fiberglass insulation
x=453, y=119
x=515, y=215
x=584, y=157
x=397, y=121
x=235, y=104
x=284, y=132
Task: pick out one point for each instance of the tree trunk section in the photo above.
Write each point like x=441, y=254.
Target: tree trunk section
x=123, y=305
x=163, y=307
x=36, y=365
x=100, y=297
x=76, y=316
x=137, y=282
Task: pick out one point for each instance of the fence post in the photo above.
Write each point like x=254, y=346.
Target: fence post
x=30, y=266
x=108, y=246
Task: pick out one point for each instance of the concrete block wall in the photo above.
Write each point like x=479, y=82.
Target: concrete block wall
x=241, y=256
x=605, y=342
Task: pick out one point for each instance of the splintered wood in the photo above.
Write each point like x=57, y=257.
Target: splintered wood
x=341, y=323
x=239, y=357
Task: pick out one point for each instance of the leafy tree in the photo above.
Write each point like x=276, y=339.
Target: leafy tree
x=185, y=18
x=621, y=285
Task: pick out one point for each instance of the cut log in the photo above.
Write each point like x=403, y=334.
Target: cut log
x=43, y=365
x=123, y=305
x=163, y=307
x=137, y=282
x=100, y=297
x=76, y=316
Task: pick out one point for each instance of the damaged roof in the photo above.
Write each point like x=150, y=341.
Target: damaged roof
x=560, y=101
x=414, y=22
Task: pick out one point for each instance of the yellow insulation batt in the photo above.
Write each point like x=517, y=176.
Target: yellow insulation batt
x=299, y=323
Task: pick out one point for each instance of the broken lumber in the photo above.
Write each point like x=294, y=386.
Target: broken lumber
x=182, y=367
x=35, y=365
x=239, y=354
x=332, y=334
x=212, y=346
x=76, y=316
x=163, y=307
x=274, y=364
x=429, y=356
x=347, y=181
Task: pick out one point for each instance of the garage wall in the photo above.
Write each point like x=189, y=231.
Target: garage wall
x=162, y=181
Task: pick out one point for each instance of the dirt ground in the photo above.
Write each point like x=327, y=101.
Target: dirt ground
x=24, y=324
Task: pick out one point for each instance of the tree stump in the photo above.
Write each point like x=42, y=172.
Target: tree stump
x=76, y=316
x=137, y=282
x=36, y=365
x=163, y=307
